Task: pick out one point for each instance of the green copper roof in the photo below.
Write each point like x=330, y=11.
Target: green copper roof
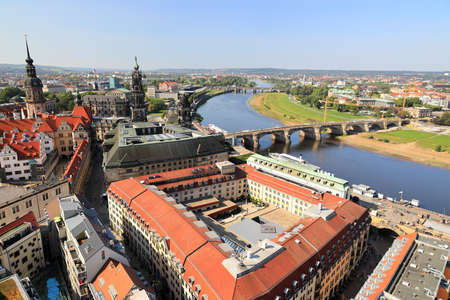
x=300, y=167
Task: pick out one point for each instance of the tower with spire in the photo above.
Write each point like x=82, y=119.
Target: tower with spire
x=35, y=99
x=137, y=96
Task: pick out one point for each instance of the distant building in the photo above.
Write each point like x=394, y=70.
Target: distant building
x=84, y=250
x=53, y=88
x=21, y=249
x=151, y=92
x=415, y=267
x=107, y=105
x=168, y=86
x=138, y=106
x=114, y=83
x=376, y=102
x=118, y=281
x=122, y=93
x=140, y=148
x=420, y=112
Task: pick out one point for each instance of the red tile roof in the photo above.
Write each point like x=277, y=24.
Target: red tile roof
x=315, y=238
x=122, y=277
x=74, y=165
x=25, y=150
x=389, y=274
x=28, y=218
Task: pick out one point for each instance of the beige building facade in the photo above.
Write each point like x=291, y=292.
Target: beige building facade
x=17, y=201
x=21, y=248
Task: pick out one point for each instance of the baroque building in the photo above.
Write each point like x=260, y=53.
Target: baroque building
x=35, y=100
x=137, y=97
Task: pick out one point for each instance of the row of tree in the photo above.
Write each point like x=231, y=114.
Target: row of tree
x=65, y=101
x=311, y=95
x=7, y=93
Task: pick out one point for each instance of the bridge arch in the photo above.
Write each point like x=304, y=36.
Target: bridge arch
x=375, y=127
x=354, y=128
x=391, y=125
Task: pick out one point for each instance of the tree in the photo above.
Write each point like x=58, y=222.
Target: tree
x=65, y=101
x=9, y=92
x=126, y=85
x=444, y=119
x=156, y=104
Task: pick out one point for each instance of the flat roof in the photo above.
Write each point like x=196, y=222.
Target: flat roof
x=256, y=229
x=200, y=203
x=12, y=289
x=423, y=271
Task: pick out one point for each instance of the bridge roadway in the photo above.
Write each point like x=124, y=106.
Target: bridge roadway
x=250, y=138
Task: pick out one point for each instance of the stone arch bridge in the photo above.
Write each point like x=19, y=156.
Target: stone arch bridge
x=250, y=138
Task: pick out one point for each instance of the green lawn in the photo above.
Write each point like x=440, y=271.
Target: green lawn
x=423, y=139
x=404, y=136
x=213, y=92
x=278, y=106
x=442, y=139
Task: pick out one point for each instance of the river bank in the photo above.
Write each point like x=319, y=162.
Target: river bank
x=287, y=110
x=409, y=151
x=279, y=107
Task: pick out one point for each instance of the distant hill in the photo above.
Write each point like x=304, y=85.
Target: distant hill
x=20, y=68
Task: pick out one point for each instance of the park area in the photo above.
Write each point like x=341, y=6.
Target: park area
x=437, y=142
x=423, y=147
x=288, y=111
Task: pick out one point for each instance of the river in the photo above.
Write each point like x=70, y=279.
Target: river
x=387, y=175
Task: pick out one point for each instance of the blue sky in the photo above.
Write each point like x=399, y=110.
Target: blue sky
x=348, y=35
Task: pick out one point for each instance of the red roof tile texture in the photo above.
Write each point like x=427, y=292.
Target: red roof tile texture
x=122, y=277
x=315, y=239
x=28, y=218
x=74, y=165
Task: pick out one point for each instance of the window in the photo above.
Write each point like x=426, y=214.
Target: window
x=2, y=215
x=28, y=203
x=58, y=191
x=112, y=291
x=45, y=196
x=15, y=209
x=17, y=172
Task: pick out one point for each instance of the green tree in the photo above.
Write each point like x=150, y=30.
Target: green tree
x=9, y=92
x=65, y=101
x=444, y=119
x=156, y=104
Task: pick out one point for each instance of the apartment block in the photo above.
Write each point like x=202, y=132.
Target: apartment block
x=416, y=266
x=21, y=250
x=199, y=257
x=85, y=246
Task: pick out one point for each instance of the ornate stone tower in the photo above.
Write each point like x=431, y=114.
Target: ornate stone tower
x=35, y=99
x=137, y=98
x=184, y=112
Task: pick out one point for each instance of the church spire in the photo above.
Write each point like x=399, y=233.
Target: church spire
x=29, y=60
x=136, y=66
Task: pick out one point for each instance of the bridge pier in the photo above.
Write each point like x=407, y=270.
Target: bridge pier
x=313, y=133
x=281, y=137
x=255, y=138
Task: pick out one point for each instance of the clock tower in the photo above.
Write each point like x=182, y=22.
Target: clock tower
x=34, y=99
